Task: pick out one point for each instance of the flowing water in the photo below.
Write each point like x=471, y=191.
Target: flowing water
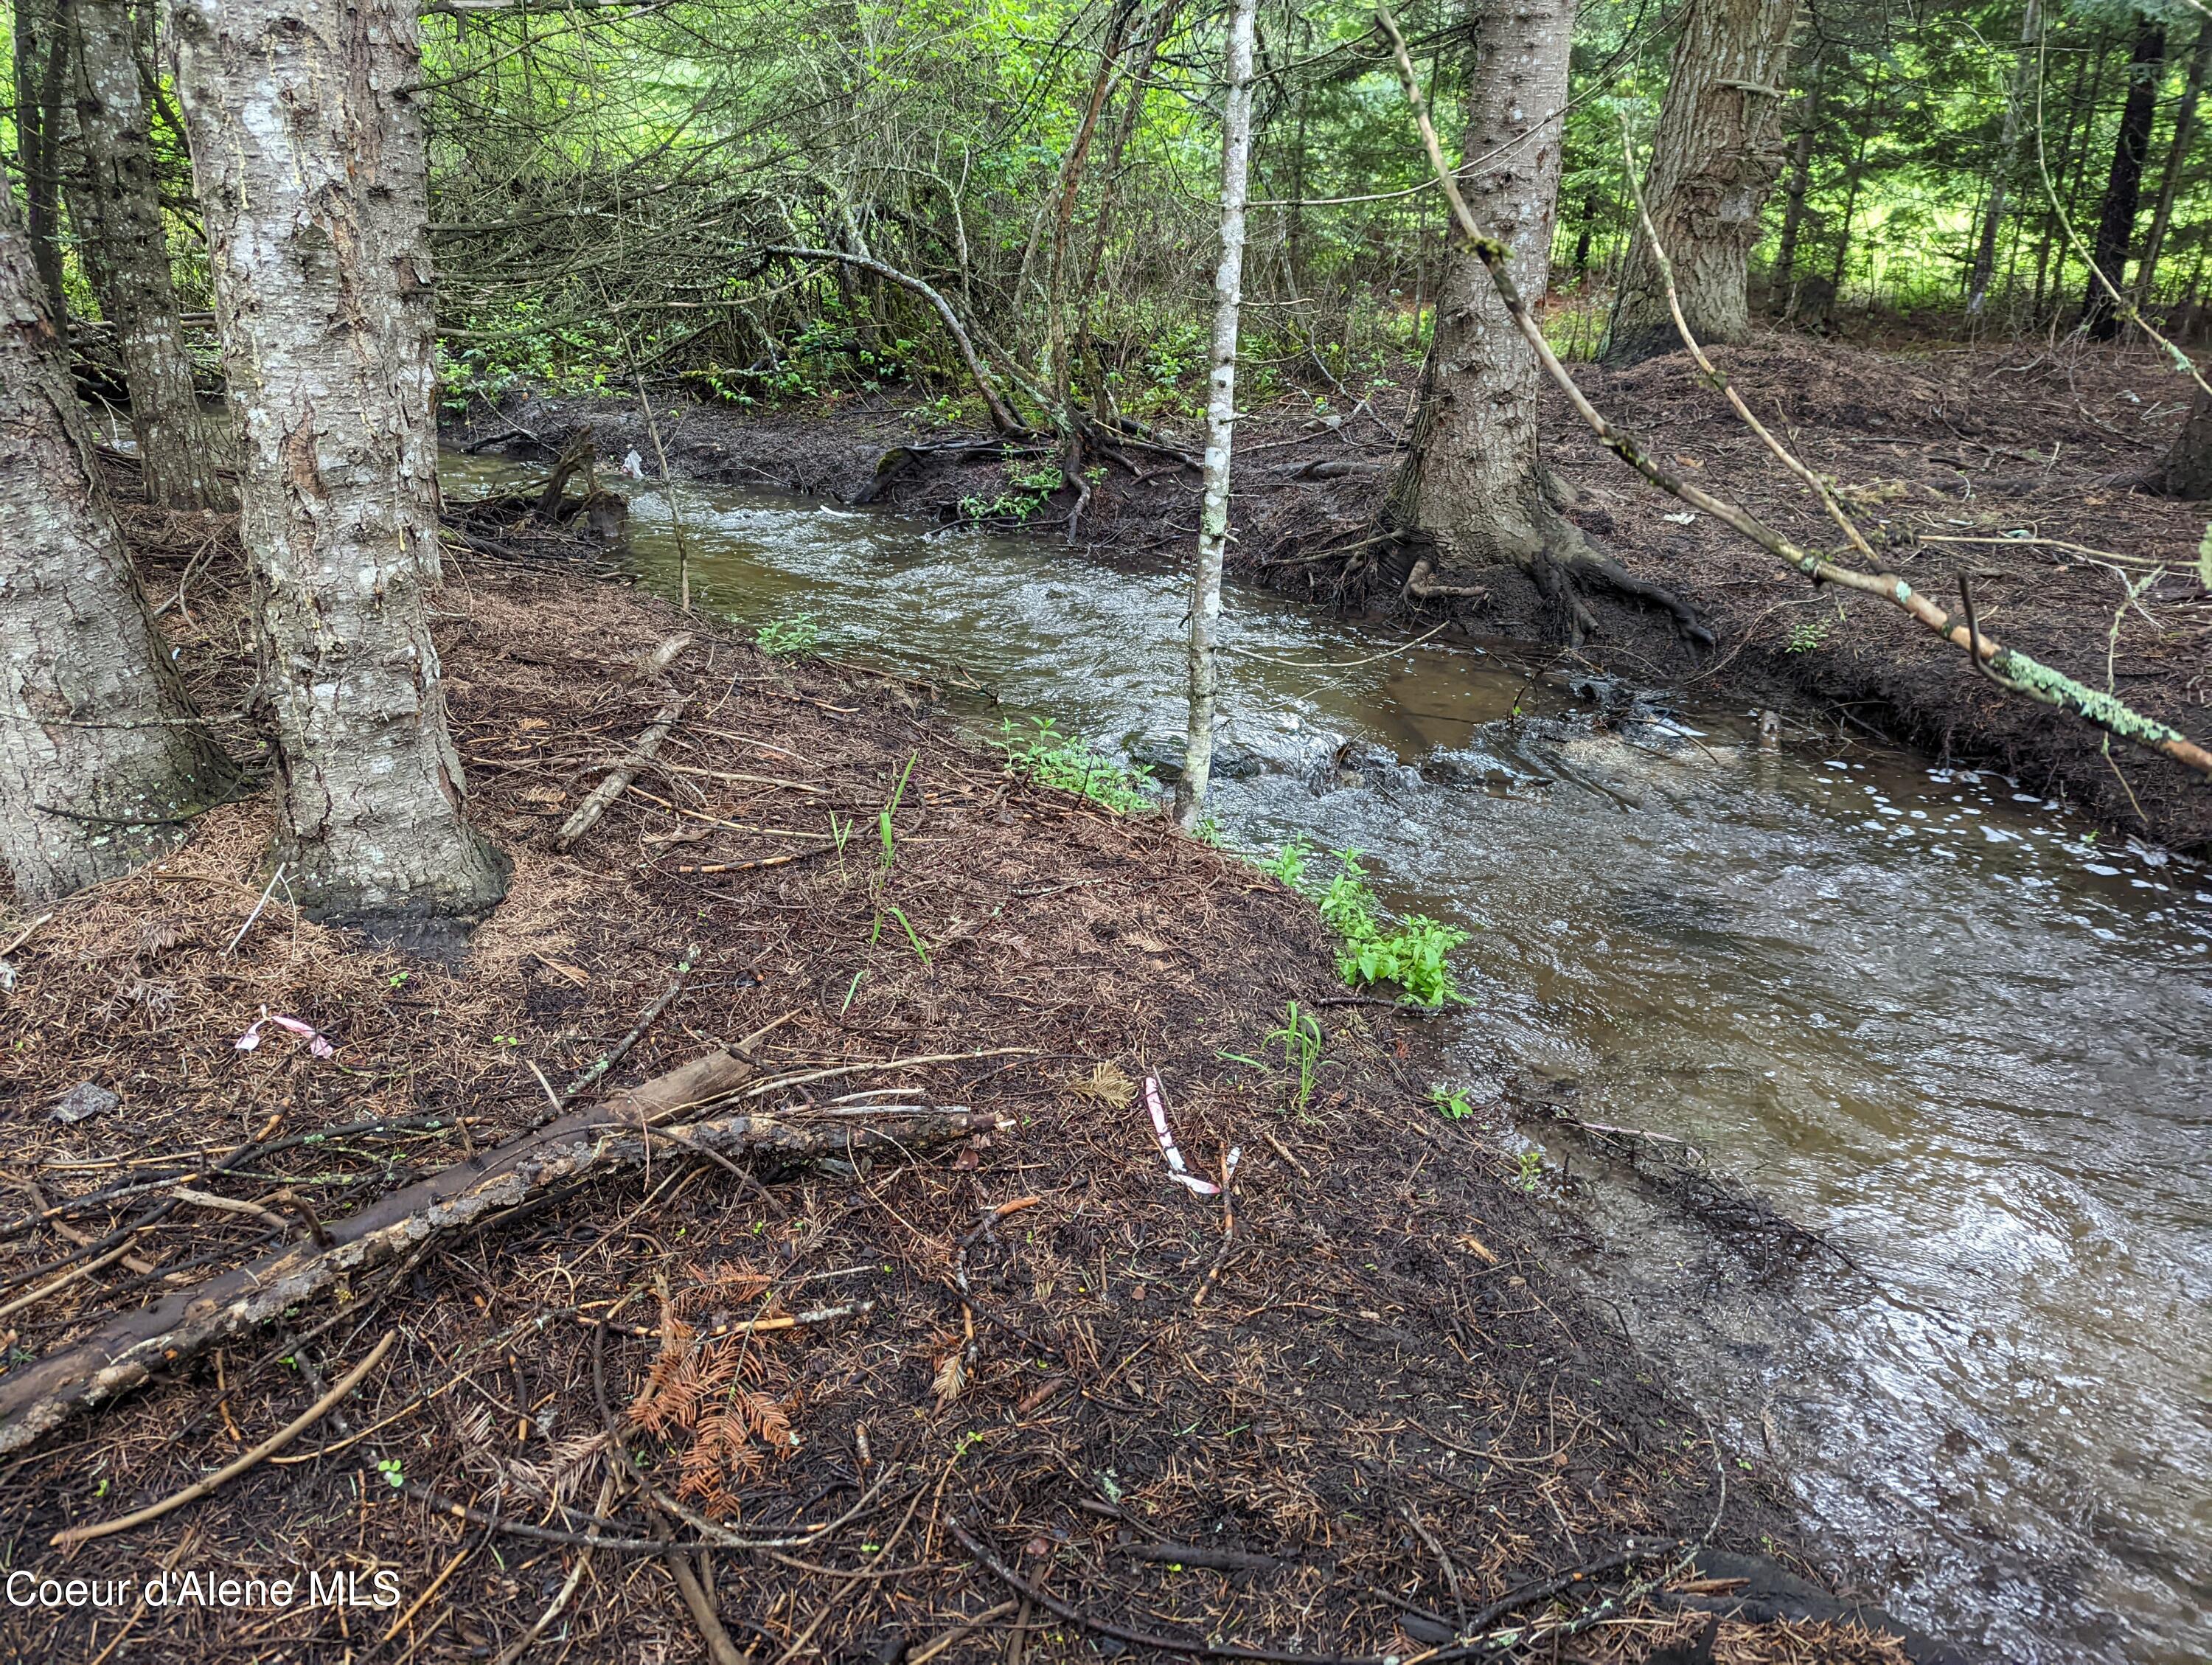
x=1925, y=1015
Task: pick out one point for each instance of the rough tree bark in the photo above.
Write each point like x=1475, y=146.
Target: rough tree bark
x=308, y=149
x=2177, y=158
x=1714, y=159
x=1220, y=415
x=2186, y=469
x=115, y=198
x=2116, y=226
x=1472, y=494
x=101, y=759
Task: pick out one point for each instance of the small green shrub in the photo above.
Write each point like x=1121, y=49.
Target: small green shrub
x=1051, y=759
x=1451, y=1102
x=1412, y=953
x=780, y=638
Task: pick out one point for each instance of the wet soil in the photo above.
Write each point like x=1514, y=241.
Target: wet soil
x=1066, y=1402
x=2002, y=443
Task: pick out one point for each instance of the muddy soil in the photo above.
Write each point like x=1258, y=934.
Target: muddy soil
x=1999, y=445
x=1040, y=1400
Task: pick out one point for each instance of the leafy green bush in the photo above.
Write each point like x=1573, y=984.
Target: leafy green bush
x=780, y=638
x=1412, y=953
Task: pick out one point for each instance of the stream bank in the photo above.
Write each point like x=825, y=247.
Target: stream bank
x=1994, y=445
x=1354, y=1415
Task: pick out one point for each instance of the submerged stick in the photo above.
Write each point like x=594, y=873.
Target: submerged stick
x=123, y=1351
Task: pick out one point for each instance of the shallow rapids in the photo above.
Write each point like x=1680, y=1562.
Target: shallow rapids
x=1929, y=1017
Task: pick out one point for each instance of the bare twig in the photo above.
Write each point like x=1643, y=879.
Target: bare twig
x=200, y=1488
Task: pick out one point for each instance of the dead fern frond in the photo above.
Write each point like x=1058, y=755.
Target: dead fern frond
x=652, y=1408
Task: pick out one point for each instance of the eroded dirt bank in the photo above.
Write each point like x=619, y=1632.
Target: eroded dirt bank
x=1998, y=444
x=1037, y=1397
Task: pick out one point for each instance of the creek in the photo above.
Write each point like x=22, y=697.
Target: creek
x=1921, y=1012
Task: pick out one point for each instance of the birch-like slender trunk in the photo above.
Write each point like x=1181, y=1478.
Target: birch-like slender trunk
x=1220, y=415
x=102, y=759
x=307, y=147
x=1716, y=155
x=116, y=199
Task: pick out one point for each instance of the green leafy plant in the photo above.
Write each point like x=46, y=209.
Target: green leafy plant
x=1051, y=759
x=781, y=638
x=394, y=1473
x=1807, y=634
x=1531, y=1170
x=1413, y=952
x=1451, y=1102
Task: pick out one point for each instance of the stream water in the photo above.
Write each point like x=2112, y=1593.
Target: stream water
x=1923, y=1013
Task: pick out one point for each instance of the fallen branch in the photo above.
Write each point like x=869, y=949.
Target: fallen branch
x=1002, y=415
x=123, y=1351
x=618, y=779
x=200, y=1488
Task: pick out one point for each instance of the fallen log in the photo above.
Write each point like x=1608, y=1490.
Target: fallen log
x=124, y=1350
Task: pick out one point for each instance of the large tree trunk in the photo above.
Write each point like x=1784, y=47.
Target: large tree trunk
x=1473, y=494
x=2177, y=158
x=102, y=759
x=116, y=199
x=1716, y=154
x=42, y=61
x=308, y=149
x=1474, y=485
x=2116, y=226
x=2186, y=469
x=1221, y=416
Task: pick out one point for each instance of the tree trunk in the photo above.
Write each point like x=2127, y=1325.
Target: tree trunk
x=1102, y=222
x=2186, y=469
x=1220, y=415
x=102, y=759
x=2176, y=157
x=2007, y=162
x=1801, y=180
x=308, y=149
x=42, y=61
x=1474, y=484
x=1584, y=228
x=1715, y=157
x=116, y=199
x=2116, y=228
x=1059, y=377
